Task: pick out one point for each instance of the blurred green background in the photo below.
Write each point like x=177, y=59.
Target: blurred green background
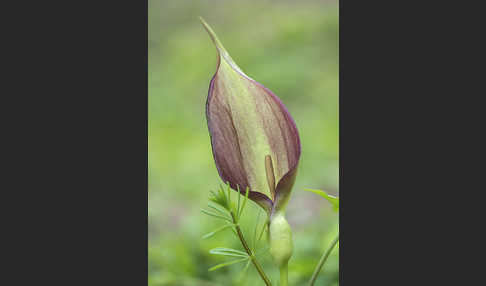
x=292, y=48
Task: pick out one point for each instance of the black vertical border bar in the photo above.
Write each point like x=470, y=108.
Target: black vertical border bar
x=362, y=133
x=389, y=97
x=78, y=152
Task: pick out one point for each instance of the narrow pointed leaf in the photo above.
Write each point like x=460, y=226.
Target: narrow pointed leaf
x=244, y=201
x=217, y=209
x=261, y=232
x=226, y=249
x=332, y=199
x=218, y=199
x=246, y=266
x=255, y=230
x=228, y=252
x=208, y=235
x=227, y=264
x=238, y=211
x=214, y=215
x=247, y=122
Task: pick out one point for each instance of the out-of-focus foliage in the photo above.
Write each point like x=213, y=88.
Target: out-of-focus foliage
x=292, y=48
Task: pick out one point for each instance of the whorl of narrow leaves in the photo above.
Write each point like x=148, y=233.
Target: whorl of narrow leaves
x=224, y=208
x=254, y=139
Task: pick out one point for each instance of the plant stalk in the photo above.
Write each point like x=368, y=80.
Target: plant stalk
x=284, y=275
x=323, y=259
x=250, y=253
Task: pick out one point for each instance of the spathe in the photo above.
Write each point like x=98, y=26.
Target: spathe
x=254, y=139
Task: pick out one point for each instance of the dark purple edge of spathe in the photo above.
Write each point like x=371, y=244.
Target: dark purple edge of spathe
x=261, y=199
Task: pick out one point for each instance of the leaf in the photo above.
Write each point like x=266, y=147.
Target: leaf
x=216, y=231
x=228, y=252
x=332, y=199
x=227, y=264
x=255, y=230
x=247, y=265
x=244, y=201
x=238, y=207
x=229, y=197
x=214, y=215
x=221, y=211
x=264, y=227
x=242, y=277
x=219, y=197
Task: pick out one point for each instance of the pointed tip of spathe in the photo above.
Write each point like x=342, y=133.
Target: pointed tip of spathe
x=210, y=31
x=219, y=46
x=201, y=19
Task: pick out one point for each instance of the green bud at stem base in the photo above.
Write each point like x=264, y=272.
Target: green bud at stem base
x=280, y=239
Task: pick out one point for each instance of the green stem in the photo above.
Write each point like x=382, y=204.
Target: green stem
x=250, y=253
x=284, y=275
x=323, y=260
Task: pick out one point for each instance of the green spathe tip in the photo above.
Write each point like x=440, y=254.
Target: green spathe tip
x=219, y=46
x=212, y=34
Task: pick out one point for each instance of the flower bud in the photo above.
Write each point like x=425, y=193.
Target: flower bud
x=280, y=239
x=254, y=139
